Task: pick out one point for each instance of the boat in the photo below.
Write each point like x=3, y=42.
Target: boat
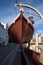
x=33, y=57
x=21, y=29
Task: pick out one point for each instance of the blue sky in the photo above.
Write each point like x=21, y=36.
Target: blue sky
x=8, y=12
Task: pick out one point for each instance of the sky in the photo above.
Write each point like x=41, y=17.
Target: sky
x=8, y=12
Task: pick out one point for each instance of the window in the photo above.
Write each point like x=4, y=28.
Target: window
x=42, y=39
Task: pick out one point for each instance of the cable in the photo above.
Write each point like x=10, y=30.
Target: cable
x=15, y=6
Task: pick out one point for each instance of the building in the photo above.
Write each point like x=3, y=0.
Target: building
x=41, y=38
x=36, y=41
x=3, y=35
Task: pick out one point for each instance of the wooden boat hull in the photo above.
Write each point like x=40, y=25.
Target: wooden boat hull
x=32, y=56
x=20, y=31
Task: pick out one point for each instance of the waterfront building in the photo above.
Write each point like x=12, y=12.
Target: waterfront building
x=36, y=41
x=3, y=35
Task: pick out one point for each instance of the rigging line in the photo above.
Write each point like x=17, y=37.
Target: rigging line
x=16, y=1
x=15, y=6
x=31, y=13
x=16, y=10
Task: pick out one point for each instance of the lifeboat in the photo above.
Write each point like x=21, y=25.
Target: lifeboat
x=21, y=29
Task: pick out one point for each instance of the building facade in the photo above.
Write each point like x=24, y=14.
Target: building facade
x=36, y=41
x=3, y=35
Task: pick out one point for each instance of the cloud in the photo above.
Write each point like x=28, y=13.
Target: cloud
x=37, y=23
x=39, y=31
x=7, y=19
